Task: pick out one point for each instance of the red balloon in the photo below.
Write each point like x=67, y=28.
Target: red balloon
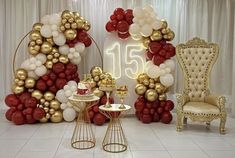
x=162, y=104
x=9, y=113
x=18, y=118
x=109, y=26
x=113, y=17
x=120, y=17
x=41, y=85
x=129, y=16
x=149, y=55
x=154, y=47
x=28, y=111
x=30, y=119
x=31, y=102
x=156, y=117
x=72, y=68
x=149, y=104
x=58, y=68
x=45, y=77
x=122, y=26
x=139, y=105
x=91, y=114
x=157, y=59
x=156, y=104
x=53, y=89
x=69, y=77
x=62, y=75
x=95, y=108
x=169, y=105
x=118, y=11
x=166, y=117
x=12, y=100
x=87, y=41
x=60, y=83
x=52, y=76
x=152, y=111
x=146, y=111
x=123, y=36
x=99, y=119
x=81, y=34
x=20, y=107
x=162, y=52
x=141, y=98
x=38, y=113
x=104, y=100
x=146, y=118
x=49, y=82
x=24, y=96
x=160, y=110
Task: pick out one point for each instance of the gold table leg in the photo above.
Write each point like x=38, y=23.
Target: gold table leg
x=83, y=135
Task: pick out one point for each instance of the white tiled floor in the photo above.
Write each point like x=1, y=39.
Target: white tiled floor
x=155, y=140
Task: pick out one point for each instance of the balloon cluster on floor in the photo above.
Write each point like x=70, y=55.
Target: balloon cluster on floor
x=44, y=81
x=143, y=24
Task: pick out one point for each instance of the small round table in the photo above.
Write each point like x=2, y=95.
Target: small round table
x=114, y=140
x=83, y=135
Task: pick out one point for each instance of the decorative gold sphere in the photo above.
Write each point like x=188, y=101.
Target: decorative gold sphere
x=46, y=103
x=141, y=77
x=63, y=59
x=37, y=26
x=55, y=60
x=64, y=21
x=20, y=83
x=50, y=40
x=30, y=82
x=67, y=25
x=46, y=48
x=46, y=109
x=74, y=25
x=51, y=111
x=146, y=82
x=96, y=78
x=146, y=42
x=43, y=120
x=156, y=35
x=66, y=14
x=151, y=85
x=18, y=89
x=160, y=88
x=42, y=100
x=32, y=50
x=49, y=64
x=164, y=23
x=39, y=41
x=49, y=96
x=55, y=104
x=34, y=35
x=21, y=74
x=48, y=116
x=151, y=95
x=162, y=97
x=70, y=34
x=140, y=89
x=38, y=95
x=96, y=71
x=56, y=117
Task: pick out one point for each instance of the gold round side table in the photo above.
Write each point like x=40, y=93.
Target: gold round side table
x=114, y=140
x=83, y=135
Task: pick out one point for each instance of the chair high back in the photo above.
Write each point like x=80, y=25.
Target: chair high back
x=196, y=59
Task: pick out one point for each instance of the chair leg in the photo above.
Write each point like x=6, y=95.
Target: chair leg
x=222, y=124
x=185, y=120
x=179, y=123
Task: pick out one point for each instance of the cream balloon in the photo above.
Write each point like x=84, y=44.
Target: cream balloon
x=41, y=57
x=69, y=114
x=41, y=70
x=64, y=49
x=167, y=80
x=60, y=39
x=170, y=64
x=46, y=31
x=146, y=30
x=60, y=95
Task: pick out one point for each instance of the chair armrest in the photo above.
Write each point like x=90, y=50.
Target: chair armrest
x=181, y=100
x=217, y=100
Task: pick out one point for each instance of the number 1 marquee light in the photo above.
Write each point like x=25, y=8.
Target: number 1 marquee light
x=142, y=52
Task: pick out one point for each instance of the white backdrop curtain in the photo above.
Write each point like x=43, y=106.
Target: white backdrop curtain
x=212, y=20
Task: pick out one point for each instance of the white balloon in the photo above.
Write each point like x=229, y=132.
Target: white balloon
x=64, y=49
x=33, y=60
x=141, y=22
x=63, y=106
x=76, y=54
x=149, y=20
x=138, y=12
x=45, y=19
x=66, y=87
x=167, y=80
x=162, y=66
x=32, y=66
x=80, y=47
x=54, y=27
x=41, y=57
x=72, y=83
x=76, y=61
x=135, y=20
x=25, y=64
x=46, y=31
x=41, y=70
x=73, y=88
x=61, y=96
x=55, y=19
x=55, y=33
x=168, y=70
x=148, y=8
x=70, y=55
x=148, y=64
x=146, y=30
x=68, y=93
x=32, y=74
x=153, y=71
x=69, y=114
x=134, y=29
x=72, y=50
x=156, y=24
x=38, y=63
x=170, y=64
x=60, y=39
x=136, y=37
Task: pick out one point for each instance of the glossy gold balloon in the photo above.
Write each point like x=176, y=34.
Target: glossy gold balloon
x=74, y=25
x=43, y=120
x=146, y=82
x=62, y=28
x=63, y=59
x=34, y=35
x=140, y=89
x=67, y=25
x=48, y=116
x=46, y=48
x=87, y=26
x=92, y=83
x=156, y=35
x=32, y=51
x=164, y=23
x=20, y=83
x=146, y=42
x=70, y=34
x=141, y=77
x=56, y=117
x=80, y=23
x=49, y=96
x=55, y=104
x=49, y=56
x=165, y=31
x=37, y=48
x=49, y=64
x=76, y=15
x=46, y=109
x=56, y=54
x=55, y=60
x=66, y=14
x=50, y=40
x=54, y=51
x=37, y=94
x=97, y=92
x=18, y=89
x=39, y=41
x=171, y=35
x=47, y=103
x=162, y=97
x=71, y=20
x=32, y=43
x=151, y=85
x=151, y=95
x=160, y=88
x=51, y=111
x=30, y=82
x=96, y=78
x=42, y=100
x=21, y=74
x=37, y=26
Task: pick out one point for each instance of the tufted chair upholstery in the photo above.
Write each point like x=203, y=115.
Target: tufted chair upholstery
x=196, y=59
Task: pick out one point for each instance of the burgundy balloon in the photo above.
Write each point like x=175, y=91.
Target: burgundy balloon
x=12, y=100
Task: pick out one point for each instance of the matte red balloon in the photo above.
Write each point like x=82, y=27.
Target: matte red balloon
x=30, y=119
x=41, y=85
x=24, y=96
x=45, y=77
x=146, y=111
x=146, y=118
x=58, y=68
x=53, y=89
x=20, y=107
x=52, y=76
x=149, y=104
x=113, y=17
x=156, y=117
x=18, y=118
x=99, y=119
x=139, y=105
x=72, y=68
x=152, y=111
x=104, y=100
x=9, y=113
x=95, y=108
x=123, y=36
x=122, y=26
x=157, y=59
x=154, y=47
x=160, y=110
x=28, y=111
x=109, y=26
x=169, y=105
x=31, y=102
x=49, y=82
x=87, y=41
x=38, y=113
x=149, y=55
x=118, y=11
x=166, y=117
x=60, y=83
x=12, y=100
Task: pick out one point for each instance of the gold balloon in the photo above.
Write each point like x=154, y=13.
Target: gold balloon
x=92, y=83
x=76, y=14
x=49, y=96
x=21, y=74
x=74, y=25
x=40, y=106
x=30, y=82
x=54, y=50
x=87, y=26
x=62, y=28
x=160, y=88
x=166, y=31
x=48, y=115
x=151, y=95
x=70, y=34
x=146, y=42
x=66, y=14
x=55, y=104
x=67, y=25
x=63, y=59
x=37, y=26
x=42, y=100
x=96, y=78
x=71, y=20
x=49, y=56
x=151, y=85
x=18, y=89
x=140, y=89
x=49, y=64
x=151, y=80
x=32, y=51
x=20, y=83
x=50, y=40
x=51, y=111
x=37, y=48
x=43, y=120
x=102, y=76
x=171, y=35
x=32, y=43
x=46, y=109
x=34, y=35
x=56, y=117
x=141, y=77
x=97, y=92
x=47, y=103
x=39, y=41
x=107, y=75
x=63, y=21
x=55, y=60
x=156, y=35
x=80, y=23
x=37, y=94
x=57, y=54
x=99, y=83
x=46, y=48
x=162, y=97
x=164, y=23
x=146, y=82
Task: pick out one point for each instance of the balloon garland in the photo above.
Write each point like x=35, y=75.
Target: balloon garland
x=56, y=46
x=152, y=85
